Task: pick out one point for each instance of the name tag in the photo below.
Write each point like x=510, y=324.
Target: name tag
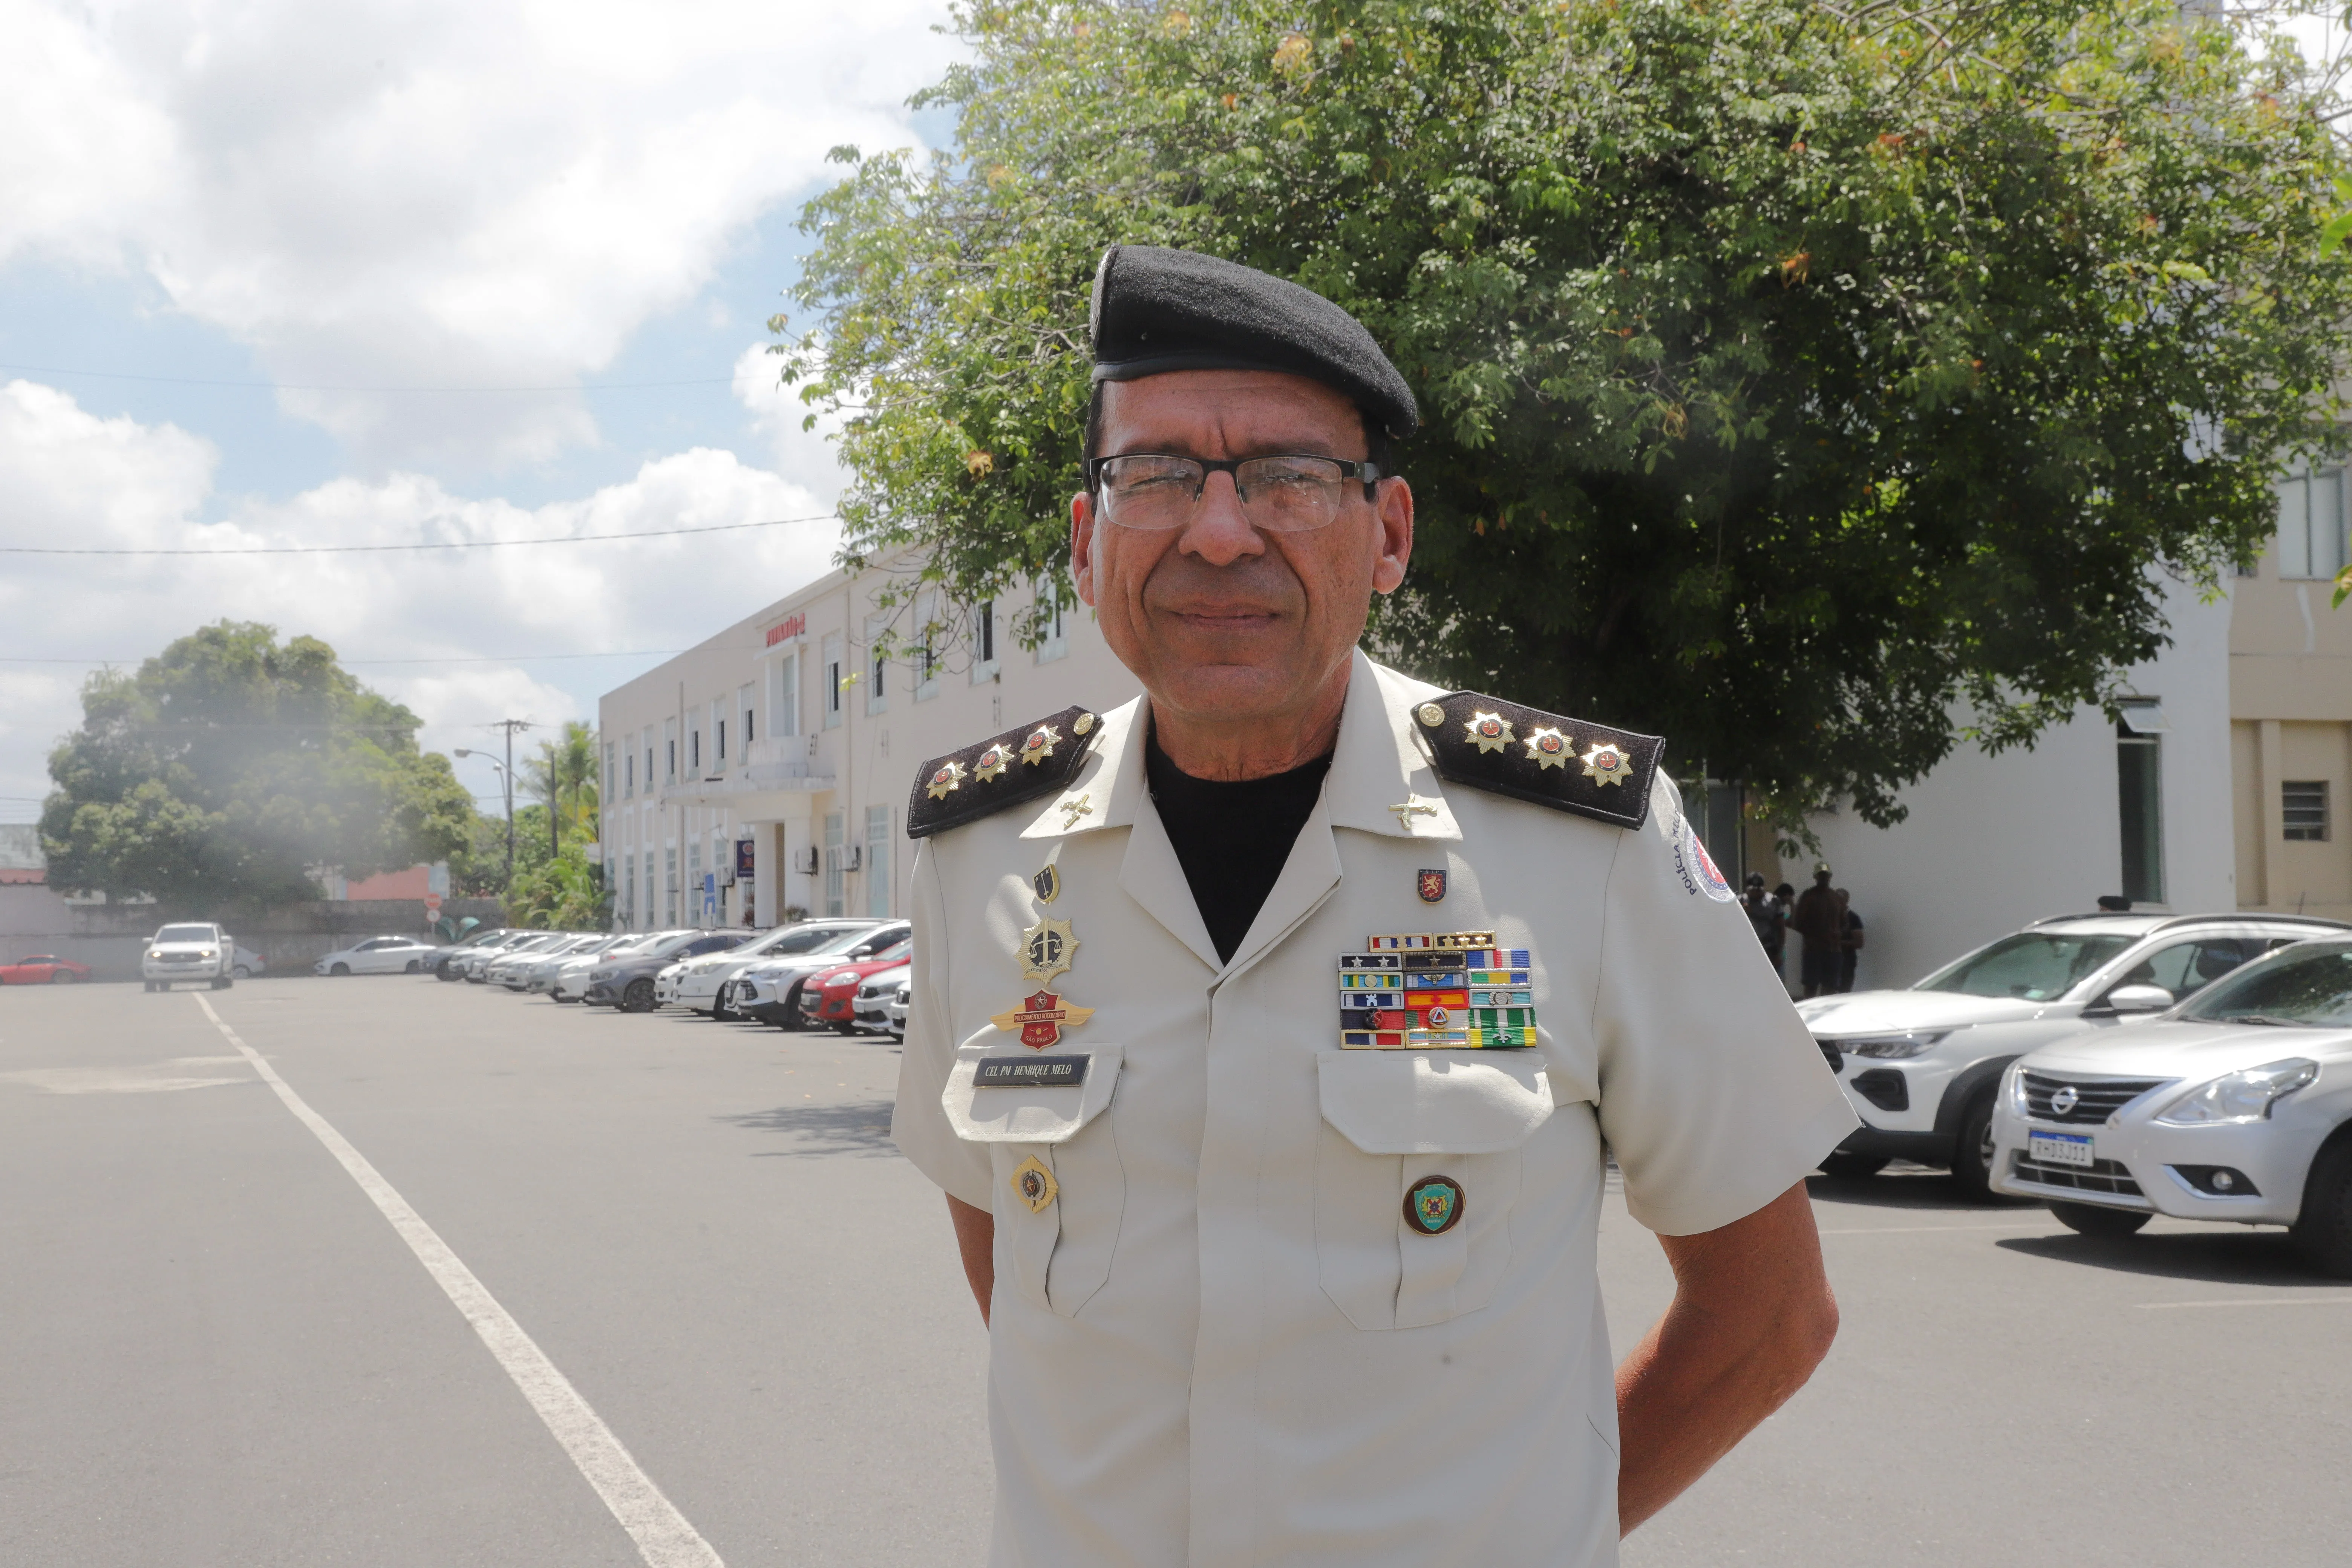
x=1057, y=1072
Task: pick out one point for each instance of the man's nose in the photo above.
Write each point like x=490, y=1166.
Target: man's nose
x=1219, y=533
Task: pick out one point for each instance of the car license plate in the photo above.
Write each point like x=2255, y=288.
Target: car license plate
x=2060, y=1147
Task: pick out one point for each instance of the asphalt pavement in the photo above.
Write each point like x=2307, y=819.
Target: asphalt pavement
x=215, y=1349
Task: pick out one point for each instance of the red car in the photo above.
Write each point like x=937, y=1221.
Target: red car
x=43, y=969
x=829, y=998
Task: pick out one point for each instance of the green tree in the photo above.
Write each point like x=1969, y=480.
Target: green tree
x=231, y=768
x=555, y=887
x=563, y=776
x=1796, y=377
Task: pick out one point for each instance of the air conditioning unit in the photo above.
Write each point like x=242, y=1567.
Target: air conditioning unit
x=804, y=861
x=852, y=856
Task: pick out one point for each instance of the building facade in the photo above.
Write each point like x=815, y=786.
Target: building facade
x=765, y=772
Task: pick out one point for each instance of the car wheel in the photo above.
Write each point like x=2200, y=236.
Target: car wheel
x=341, y=969
x=62, y=977
x=1972, y=1150
x=1844, y=1167
x=2322, y=1232
x=222, y=981
x=414, y=967
x=148, y=986
x=243, y=972
x=638, y=997
x=2090, y=1219
x=721, y=1013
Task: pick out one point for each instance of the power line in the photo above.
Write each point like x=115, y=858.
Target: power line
x=322, y=386
x=461, y=544
x=484, y=658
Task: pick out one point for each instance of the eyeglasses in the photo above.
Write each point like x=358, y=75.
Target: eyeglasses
x=1288, y=494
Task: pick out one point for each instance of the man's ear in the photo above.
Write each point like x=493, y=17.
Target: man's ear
x=1081, y=547
x=1392, y=516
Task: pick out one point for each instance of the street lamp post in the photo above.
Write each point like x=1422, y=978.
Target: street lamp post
x=506, y=785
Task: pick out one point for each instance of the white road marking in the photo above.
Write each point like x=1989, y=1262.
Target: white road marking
x=2343, y=1301
x=663, y=1537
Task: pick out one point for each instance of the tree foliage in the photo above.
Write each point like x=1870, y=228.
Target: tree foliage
x=230, y=768
x=1796, y=375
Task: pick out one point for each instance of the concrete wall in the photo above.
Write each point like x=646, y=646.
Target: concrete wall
x=110, y=937
x=1992, y=842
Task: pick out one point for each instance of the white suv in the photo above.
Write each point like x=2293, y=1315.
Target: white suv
x=189, y=952
x=2235, y=1107
x=1921, y=1066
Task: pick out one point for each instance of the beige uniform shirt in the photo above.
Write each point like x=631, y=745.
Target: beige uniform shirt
x=1220, y=1340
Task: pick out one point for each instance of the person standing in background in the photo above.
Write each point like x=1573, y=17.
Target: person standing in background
x=1769, y=919
x=1849, y=942
x=1817, y=919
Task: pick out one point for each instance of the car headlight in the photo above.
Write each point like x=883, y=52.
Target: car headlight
x=206, y=952
x=1892, y=1047
x=600, y=974
x=2246, y=1096
x=2013, y=1087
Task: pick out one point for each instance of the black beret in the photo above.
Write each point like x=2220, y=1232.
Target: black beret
x=1156, y=311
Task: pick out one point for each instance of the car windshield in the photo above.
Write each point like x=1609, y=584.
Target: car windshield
x=802, y=938
x=2033, y=966
x=2309, y=988
x=184, y=933
x=897, y=954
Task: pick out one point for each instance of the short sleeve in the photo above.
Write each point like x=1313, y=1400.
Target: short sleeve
x=918, y=1122
x=1714, y=1097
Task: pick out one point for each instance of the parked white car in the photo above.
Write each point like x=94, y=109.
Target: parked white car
x=2235, y=1106
x=378, y=955
x=702, y=983
x=189, y=951
x=248, y=962
x=875, y=994
x=539, y=978
x=896, y=1009
x=476, y=967
x=511, y=969
x=1921, y=1066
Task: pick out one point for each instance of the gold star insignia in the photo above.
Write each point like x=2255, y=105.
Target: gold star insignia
x=1046, y=949
x=1040, y=744
x=993, y=761
x=946, y=778
x=1607, y=763
x=1489, y=732
x=1547, y=748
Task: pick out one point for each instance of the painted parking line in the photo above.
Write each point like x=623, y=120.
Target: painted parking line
x=663, y=1537
x=2343, y=1301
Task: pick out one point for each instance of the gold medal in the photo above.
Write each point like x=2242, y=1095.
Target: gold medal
x=1489, y=732
x=1046, y=949
x=1034, y=1185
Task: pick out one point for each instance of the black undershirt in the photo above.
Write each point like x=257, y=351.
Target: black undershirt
x=1232, y=838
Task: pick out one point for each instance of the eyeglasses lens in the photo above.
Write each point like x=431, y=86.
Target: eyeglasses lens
x=1278, y=495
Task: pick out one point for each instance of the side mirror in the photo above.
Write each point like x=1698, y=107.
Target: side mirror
x=2138, y=999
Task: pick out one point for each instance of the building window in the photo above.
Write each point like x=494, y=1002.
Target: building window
x=646, y=910
x=694, y=750
x=629, y=894
x=784, y=696
x=877, y=861
x=629, y=777
x=2140, y=802
x=669, y=751
x=743, y=703
x=1053, y=642
x=878, y=666
x=983, y=642
x=693, y=895
x=2311, y=525
x=835, y=878
x=2303, y=803
x=669, y=885
x=927, y=648
x=836, y=677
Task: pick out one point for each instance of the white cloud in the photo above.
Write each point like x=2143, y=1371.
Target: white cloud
x=75, y=478
x=434, y=191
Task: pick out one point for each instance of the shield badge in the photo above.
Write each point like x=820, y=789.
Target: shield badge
x=1432, y=887
x=1432, y=1206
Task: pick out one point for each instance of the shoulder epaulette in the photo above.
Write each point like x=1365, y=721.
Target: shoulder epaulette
x=1022, y=764
x=1568, y=764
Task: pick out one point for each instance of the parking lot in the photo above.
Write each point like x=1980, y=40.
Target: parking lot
x=218, y=1350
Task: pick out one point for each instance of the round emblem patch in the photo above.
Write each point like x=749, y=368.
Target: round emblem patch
x=1702, y=865
x=1439, y=1016
x=1432, y=1206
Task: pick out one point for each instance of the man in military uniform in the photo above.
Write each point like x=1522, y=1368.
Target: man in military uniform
x=1271, y=1035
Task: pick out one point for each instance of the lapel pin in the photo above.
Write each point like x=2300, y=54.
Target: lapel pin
x=1432, y=887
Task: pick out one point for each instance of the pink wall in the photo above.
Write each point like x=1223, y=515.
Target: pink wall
x=409, y=884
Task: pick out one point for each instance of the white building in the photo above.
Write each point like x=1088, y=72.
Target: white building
x=783, y=745
x=783, y=748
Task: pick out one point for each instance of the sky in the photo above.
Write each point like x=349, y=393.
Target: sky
x=276, y=273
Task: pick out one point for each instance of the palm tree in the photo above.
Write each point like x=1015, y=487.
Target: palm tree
x=564, y=767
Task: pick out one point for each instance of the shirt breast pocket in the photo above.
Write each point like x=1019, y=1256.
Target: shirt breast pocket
x=1416, y=1171
x=1054, y=1236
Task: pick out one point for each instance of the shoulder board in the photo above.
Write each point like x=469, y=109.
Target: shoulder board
x=1021, y=764
x=1568, y=764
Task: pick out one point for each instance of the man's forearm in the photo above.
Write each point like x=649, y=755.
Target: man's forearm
x=1752, y=1316
x=975, y=1232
